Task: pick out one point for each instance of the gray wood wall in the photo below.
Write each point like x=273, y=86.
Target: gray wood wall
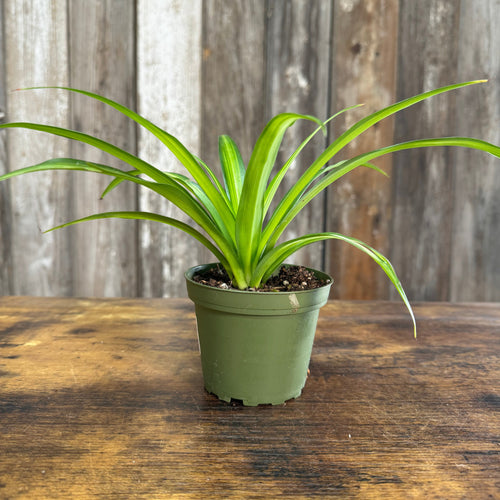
x=203, y=68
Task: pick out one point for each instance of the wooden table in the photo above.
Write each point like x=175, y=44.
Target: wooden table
x=104, y=398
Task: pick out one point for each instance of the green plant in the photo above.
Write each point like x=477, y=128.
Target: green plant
x=232, y=212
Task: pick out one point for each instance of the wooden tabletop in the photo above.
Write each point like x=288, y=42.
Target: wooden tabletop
x=104, y=398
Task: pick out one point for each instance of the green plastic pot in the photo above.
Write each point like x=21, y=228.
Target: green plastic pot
x=255, y=346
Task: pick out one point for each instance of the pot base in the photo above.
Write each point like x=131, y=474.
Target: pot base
x=249, y=402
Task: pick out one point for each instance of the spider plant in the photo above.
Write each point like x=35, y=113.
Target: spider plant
x=232, y=211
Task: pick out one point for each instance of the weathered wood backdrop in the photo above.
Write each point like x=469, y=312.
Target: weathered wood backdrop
x=202, y=68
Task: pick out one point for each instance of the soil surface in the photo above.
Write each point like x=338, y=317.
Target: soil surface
x=289, y=279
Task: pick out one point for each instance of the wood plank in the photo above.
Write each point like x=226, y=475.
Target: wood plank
x=101, y=38
x=5, y=224
x=233, y=78
x=111, y=390
x=36, y=54
x=359, y=205
x=169, y=93
x=475, y=263
x=423, y=182
x=298, y=60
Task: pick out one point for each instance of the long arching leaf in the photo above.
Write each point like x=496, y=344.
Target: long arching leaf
x=271, y=261
x=358, y=128
x=187, y=159
x=170, y=190
x=276, y=226
x=275, y=182
x=149, y=216
x=106, y=147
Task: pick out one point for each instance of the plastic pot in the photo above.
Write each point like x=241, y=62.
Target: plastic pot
x=255, y=346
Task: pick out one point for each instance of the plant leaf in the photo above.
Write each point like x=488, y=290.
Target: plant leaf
x=116, y=182
x=214, y=179
x=137, y=215
x=233, y=169
x=251, y=208
x=276, y=227
x=106, y=147
x=274, y=184
x=273, y=259
x=174, y=145
x=294, y=194
x=170, y=190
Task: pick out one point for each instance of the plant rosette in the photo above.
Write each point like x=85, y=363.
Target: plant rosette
x=232, y=216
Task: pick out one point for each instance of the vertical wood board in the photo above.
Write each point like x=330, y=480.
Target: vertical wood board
x=168, y=67
x=423, y=187
x=359, y=204
x=5, y=223
x=103, y=61
x=36, y=54
x=233, y=75
x=475, y=270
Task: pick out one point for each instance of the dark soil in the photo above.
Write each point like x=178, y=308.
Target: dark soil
x=289, y=279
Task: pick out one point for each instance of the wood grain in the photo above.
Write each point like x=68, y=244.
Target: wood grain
x=36, y=54
x=202, y=68
x=233, y=39
x=475, y=268
x=103, y=61
x=298, y=43
x=423, y=179
x=359, y=205
x=5, y=203
x=168, y=72
x=104, y=398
